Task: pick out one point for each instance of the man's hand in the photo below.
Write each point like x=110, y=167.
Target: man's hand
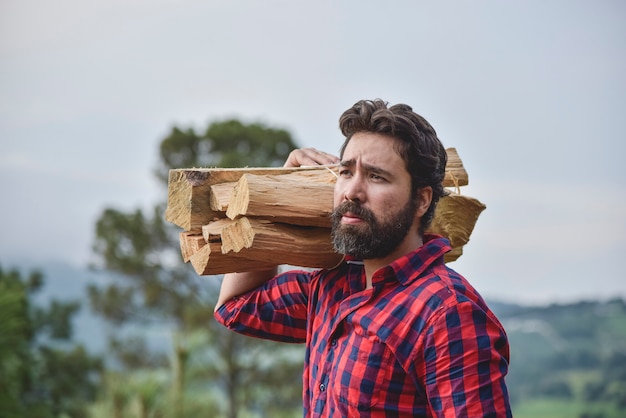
x=308, y=157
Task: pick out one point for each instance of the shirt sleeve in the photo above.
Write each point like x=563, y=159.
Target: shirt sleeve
x=276, y=311
x=464, y=363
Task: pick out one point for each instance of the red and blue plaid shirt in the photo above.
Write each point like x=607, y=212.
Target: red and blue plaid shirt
x=420, y=343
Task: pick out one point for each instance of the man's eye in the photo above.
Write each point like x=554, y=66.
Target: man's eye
x=344, y=173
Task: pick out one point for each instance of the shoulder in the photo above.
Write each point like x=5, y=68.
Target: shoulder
x=444, y=301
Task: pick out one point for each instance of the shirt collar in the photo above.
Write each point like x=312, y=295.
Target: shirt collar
x=411, y=266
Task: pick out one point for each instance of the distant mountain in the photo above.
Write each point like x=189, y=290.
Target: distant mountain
x=504, y=309
x=567, y=357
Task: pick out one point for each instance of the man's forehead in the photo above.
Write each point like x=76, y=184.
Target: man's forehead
x=372, y=149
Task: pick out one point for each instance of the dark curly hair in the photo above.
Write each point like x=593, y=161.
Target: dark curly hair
x=423, y=154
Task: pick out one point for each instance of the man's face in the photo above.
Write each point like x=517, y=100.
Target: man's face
x=373, y=209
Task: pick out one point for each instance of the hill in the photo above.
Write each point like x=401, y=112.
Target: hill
x=567, y=360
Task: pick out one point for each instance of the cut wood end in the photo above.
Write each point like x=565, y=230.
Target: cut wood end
x=190, y=243
x=240, y=198
x=237, y=235
x=455, y=218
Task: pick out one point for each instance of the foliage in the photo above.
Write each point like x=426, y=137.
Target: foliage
x=42, y=373
x=570, y=355
x=229, y=143
x=155, y=287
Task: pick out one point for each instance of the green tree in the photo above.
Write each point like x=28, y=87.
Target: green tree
x=42, y=372
x=229, y=143
x=156, y=287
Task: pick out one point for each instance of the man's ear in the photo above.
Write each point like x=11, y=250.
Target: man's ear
x=424, y=197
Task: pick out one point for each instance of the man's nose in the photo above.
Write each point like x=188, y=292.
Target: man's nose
x=354, y=191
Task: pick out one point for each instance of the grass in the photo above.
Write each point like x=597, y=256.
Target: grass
x=554, y=408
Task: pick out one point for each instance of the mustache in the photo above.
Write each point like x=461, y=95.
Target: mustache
x=355, y=208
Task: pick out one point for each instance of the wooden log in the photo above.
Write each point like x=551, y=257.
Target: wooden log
x=232, y=234
x=455, y=218
x=189, y=189
x=212, y=232
x=282, y=199
x=188, y=197
x=456, y=176
x=209, y=260
x=262, y=240
x=220, y=195
x=190, y=243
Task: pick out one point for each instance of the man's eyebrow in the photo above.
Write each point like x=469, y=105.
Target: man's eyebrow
x=368, y=167
x=347, y=163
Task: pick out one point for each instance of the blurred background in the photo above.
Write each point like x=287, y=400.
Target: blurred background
x=99, y=99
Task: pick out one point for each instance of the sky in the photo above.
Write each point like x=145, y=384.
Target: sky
x=532, y=94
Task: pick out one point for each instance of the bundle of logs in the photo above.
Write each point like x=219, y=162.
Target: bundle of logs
x=242, y=219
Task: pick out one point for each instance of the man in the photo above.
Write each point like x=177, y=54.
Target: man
x=390, y=331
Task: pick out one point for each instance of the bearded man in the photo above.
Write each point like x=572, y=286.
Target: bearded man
x=391, y=331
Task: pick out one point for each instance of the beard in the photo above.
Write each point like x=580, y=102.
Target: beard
x=374, y=238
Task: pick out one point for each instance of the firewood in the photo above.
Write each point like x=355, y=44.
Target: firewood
x=189, y=189
x=255, y=218
x=455, y=218
x=220, y=195
x=262, y=240
x=456, y=176
x=188, y=198
x=190, y=243
x=209, y=260
x=212, y=232
x=282, y=200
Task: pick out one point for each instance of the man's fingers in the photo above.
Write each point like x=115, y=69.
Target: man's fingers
x=309, y=156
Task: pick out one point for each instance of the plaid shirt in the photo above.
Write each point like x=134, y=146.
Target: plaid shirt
x=420, y=343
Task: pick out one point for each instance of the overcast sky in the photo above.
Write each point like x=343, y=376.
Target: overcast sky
x=531, y=93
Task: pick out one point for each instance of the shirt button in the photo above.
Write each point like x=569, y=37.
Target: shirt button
x=322, y=387
x=333, y=342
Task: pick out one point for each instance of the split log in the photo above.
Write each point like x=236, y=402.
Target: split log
x=209, y=260
x=282, y=200
x=212, y=232
x=456, y=176
x=263, y=240
x=220, y=195
x=190, y=243
x=188, y=197
x=455, y=218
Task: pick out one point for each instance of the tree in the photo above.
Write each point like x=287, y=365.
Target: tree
x=229, y=143
x=156, y=287
x=42, y=372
